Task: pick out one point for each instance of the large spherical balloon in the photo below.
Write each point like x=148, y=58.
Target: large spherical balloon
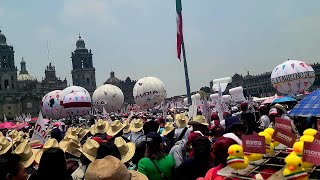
x=149, y=92
x=51, y=105
x=108, y=96
x=74, y=89
x=77, y=104
x=292, y=77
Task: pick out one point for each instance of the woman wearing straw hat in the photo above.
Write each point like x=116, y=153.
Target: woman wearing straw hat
x=126, y=150
x=88, y=154
x=136, y=128
x=156, y=165
x=168, y=136
x=182, y=131
x=52, y=166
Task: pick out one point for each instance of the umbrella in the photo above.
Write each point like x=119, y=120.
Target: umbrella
x=284, y=100
x=19, y=126
x=309, y=106
x=6, y=125
x=35, y=119
x=58, y=123
x=269, y=100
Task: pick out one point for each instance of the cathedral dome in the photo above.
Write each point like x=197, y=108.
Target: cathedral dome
x=25, y=77
x=112, y=80
x=80, y=43
x=3, y=39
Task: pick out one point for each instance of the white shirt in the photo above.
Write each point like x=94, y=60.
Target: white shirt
x=178, y=131
x=265, y=122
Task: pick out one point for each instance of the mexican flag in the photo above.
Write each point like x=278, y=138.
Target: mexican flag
x=179, y=28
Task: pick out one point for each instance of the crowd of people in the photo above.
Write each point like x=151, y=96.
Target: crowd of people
x=142, y=146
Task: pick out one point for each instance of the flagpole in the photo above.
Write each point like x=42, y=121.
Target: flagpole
x=186, y=74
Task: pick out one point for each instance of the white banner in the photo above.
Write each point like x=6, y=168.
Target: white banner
x=237, y=94
x=40, y=132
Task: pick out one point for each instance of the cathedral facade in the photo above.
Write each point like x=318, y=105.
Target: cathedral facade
x=20, y=92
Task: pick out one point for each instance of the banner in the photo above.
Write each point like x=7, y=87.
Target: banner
x=318, y=125
x=311, y=153
x=40, y=132
x=284, y=137
x=237, y=94
x=317, y=138
x=254, y=144
x=283, y=124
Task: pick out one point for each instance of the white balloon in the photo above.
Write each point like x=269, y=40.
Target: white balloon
x=292, y=77
x=77, y=103
x=108, y=96
x=51, y=105
x=74, y=89
x=149, y=92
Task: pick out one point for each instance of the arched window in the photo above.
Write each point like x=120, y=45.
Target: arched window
x=6, y=84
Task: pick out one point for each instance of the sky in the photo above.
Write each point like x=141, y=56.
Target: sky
x=137, y=38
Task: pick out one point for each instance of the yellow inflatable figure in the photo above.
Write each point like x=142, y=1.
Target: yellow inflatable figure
x=306, y=138
x=298, y=150
x=269, y=144
x=270, y=131
x=253, y=156
x=293, y=169
x=310, y=132
x=236, y=158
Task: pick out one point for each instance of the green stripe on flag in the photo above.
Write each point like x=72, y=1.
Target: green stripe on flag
x=178, y=6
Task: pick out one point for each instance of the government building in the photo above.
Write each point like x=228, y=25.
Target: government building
x=260, y=85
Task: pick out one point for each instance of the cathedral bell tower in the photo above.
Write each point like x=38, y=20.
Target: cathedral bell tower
x=83, y=72
x=8, y=71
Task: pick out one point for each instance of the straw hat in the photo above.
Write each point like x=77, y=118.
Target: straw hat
x=181, y=120
x=199, y=119
x=81, y=133
x=13, y=134
x=115, y=128
x=71, y=133
x=136, y=125
x=5, y=145
x=91, y=129
x=49, y=144
x=126, y=150
x=26, y=153
x=126, y=129
x=168, y=128
x=71, y=146
x=89, y=149
x=111, y=168
x=280, y=107
x=101, y=127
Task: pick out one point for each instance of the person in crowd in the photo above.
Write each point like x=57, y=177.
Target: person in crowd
x=126, y=149
x=11, y=167
x=88, y=154
x=100, y=129
x=5, y=145
x=136, y=129
x=110, y=167
x=247, y=118
x=56, y=133
x=220, y=151
x=280, y=111
x=178, y=151
x=199, y=128
x=150, y=126
x=108, y=149
x=199, y=164
x=156, y=165
x=168, y=136
x=182, y=131
x=234, y=129
x=264, y=120
x=52, y=166
x=116, y=130
x=126, y=129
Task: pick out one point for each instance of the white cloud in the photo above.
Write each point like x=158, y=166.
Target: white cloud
x=85, y=12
